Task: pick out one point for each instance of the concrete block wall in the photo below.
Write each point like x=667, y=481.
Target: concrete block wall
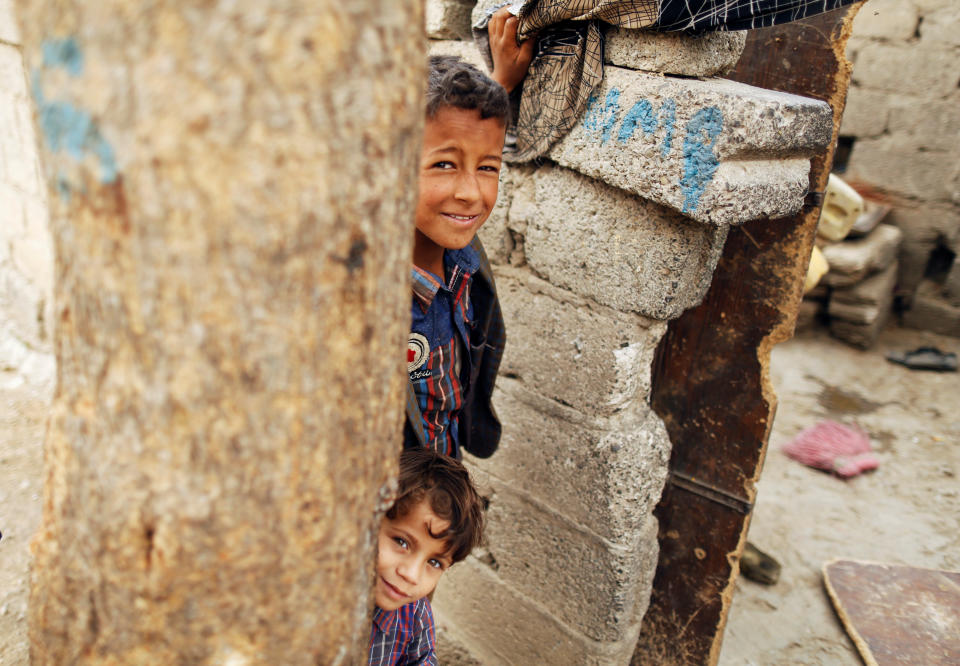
x=27, y=365
x=903, y=112
x=617, y=231
x=26, y=258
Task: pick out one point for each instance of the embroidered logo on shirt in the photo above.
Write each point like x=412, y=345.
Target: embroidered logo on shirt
x=418, y=349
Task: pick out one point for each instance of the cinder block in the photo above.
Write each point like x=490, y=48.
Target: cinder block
x=858, y=314
x=951, y=286
x=673, y=52
x=876, y=290
x=719, y=151
x=907, y=68
x=464, y=49
x=448, y=19
x=21, y=302
x=939, y=25
x=605, y=474
x=896, y=164
x=9, y=30
x=866, y=112
x=863, y=336
x=887, y=19
x=500, y=239
x=590, y=358
x=930, y=311
x=932, y=123
x=615, y=248
x=853, y=260
x=600, y=589
x=475, y=602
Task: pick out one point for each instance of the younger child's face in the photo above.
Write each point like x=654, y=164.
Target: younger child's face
x=459, y=176
x=409, y=559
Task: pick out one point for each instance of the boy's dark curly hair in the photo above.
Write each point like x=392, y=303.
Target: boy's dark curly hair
x=445, y=484
x=454, y=82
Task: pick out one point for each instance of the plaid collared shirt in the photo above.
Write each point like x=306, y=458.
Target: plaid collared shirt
x=477, y=428
x=441, y=317
x=568, y=60
x=404, y=636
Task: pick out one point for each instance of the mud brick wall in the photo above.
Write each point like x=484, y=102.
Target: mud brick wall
x=903, y=112
x=615, y=233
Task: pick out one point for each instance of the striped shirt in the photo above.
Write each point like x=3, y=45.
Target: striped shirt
x=403, y=636
x=441, y=316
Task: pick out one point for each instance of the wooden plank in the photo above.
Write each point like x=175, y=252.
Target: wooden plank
x=897, y=615
x=710, y=381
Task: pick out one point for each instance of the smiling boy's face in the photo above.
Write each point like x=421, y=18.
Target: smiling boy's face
x=410, y=560
x=459, y=176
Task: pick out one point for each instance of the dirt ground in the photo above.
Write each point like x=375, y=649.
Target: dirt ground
x=907, y=511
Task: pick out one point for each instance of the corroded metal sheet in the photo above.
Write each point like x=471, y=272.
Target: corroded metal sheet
x=711, y=383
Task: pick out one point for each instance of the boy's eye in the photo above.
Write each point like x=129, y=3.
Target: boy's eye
x=443, y=165
x=490, y=168
x=400, y=541
x=435, y=563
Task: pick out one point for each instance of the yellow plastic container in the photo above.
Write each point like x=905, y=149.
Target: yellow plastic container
x=842, y=205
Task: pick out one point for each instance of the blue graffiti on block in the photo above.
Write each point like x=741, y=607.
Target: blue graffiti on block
x=603, y=120
x=640, y=114
x=64, y=53
x=699, y=160
x=64, y=126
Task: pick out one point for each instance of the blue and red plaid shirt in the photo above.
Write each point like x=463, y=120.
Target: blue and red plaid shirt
x=473, y=316
x=439, y=340
x=404, y=636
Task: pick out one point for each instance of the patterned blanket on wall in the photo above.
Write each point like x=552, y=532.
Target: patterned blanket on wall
x=568, y=61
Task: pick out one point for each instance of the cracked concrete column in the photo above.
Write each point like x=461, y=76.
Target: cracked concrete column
x=230, y=187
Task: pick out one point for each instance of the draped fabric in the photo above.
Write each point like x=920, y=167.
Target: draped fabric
x=568, y=62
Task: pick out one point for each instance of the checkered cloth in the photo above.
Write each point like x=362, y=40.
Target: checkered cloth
x=568, y=60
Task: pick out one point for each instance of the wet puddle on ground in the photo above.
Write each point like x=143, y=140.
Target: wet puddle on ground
x=841, y=401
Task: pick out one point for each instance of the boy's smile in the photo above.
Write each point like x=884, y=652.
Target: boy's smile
x=459, y=177
x=410, y=559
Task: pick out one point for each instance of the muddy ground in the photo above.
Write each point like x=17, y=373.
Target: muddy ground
x=907, y=511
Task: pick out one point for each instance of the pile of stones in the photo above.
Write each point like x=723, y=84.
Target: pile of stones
x=855, y=297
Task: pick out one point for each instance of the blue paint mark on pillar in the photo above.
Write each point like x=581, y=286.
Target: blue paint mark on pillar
x=668, y=118
x=699, y=160
x=603, y=120
x=64, y=53
x=640, y=114
x=66, y=127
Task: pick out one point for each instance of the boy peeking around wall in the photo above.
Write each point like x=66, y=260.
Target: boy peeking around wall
x=457, y=333
x=436, y=520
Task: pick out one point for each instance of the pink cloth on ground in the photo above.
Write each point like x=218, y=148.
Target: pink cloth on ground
x=835, y=447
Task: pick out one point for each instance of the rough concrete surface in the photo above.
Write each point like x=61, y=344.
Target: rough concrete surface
x=709, y=54
x=904, y=512
x=614, y=247
x=719, y=151
x=852, y=260
x=583, y=355
x=448, y=19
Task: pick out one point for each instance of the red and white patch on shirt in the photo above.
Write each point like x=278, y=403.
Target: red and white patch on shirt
x=418, y=350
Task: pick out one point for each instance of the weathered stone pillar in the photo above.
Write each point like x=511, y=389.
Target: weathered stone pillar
x=231, y=186
x=616, y=233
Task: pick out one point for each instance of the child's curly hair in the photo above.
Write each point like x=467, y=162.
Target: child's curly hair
x=445, y=483
x=454, y=82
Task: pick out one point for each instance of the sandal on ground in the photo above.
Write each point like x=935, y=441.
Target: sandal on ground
x=925, y=358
